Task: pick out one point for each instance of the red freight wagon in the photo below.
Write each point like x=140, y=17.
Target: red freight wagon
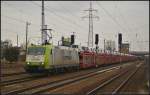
x=113, y=59
x=104, y=58
x=87, y=59
x=100, y=59
x=107, y=58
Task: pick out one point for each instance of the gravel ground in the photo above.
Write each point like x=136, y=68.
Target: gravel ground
x=20, y=76
x=81, y=87
x=108, y=89
x=10, y=68
x=137, y=84
x=44, y=80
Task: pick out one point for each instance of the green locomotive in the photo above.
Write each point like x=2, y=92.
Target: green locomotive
x=50, y=58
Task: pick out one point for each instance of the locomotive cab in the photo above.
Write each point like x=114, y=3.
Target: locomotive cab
x=37, y=58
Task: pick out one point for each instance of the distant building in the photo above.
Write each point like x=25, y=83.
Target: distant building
x=124, y=48
x=110, y=45
x=5, y=44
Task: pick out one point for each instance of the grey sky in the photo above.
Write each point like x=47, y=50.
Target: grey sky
x=127, y=17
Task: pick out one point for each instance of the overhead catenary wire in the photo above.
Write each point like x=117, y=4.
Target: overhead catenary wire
x=19, y=10
x=54, y=14
x=22, y=21
x=68, y=20
x=18, y=20
x=74, y=15
x=123, y=19
x=22, y=12
x=46, y=9
x=111, y=16
x=61, y=17
x=125, y=22
x=65, y=27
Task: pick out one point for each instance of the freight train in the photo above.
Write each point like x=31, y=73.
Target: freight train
x=46, y=57
x=54, y=58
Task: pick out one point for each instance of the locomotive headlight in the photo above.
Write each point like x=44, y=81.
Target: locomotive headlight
x=42, y=62
x=28, y=63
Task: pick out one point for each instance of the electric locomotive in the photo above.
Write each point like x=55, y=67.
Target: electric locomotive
x=50, y=58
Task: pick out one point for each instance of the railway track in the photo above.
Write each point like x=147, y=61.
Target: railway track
x=12, y=74
x=55, y=84
x=66, y=82
x=113, y=85
x=14, y=79
x=22, y=89
x=79, y=86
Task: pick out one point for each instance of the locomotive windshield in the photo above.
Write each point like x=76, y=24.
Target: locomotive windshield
x=36, y=51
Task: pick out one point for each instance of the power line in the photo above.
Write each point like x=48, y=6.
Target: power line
x=12, y=23
x=19, y=20
x=62, y=18
x=59, y=21
x=68, y=20
x=36, y=4
x=56, y=19
x=69, y=11
x=48, y=12
x=110, y=16
x=46, y=8
x=123, y=19
x=19, y=10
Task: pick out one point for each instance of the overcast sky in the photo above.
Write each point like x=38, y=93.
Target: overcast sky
x=131, y=18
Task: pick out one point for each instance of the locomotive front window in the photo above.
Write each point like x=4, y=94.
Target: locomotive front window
x=36, y=50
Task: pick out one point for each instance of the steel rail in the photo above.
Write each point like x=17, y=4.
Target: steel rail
x=52, y=82
x=10, y=82
x=11, y=74
x=125, y=81
x=93, y=91
x=69, y=81
x=57, y=83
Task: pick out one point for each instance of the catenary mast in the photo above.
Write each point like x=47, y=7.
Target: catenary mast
x=43, y=26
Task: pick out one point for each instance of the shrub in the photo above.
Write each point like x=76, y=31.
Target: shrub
x=11, y=54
